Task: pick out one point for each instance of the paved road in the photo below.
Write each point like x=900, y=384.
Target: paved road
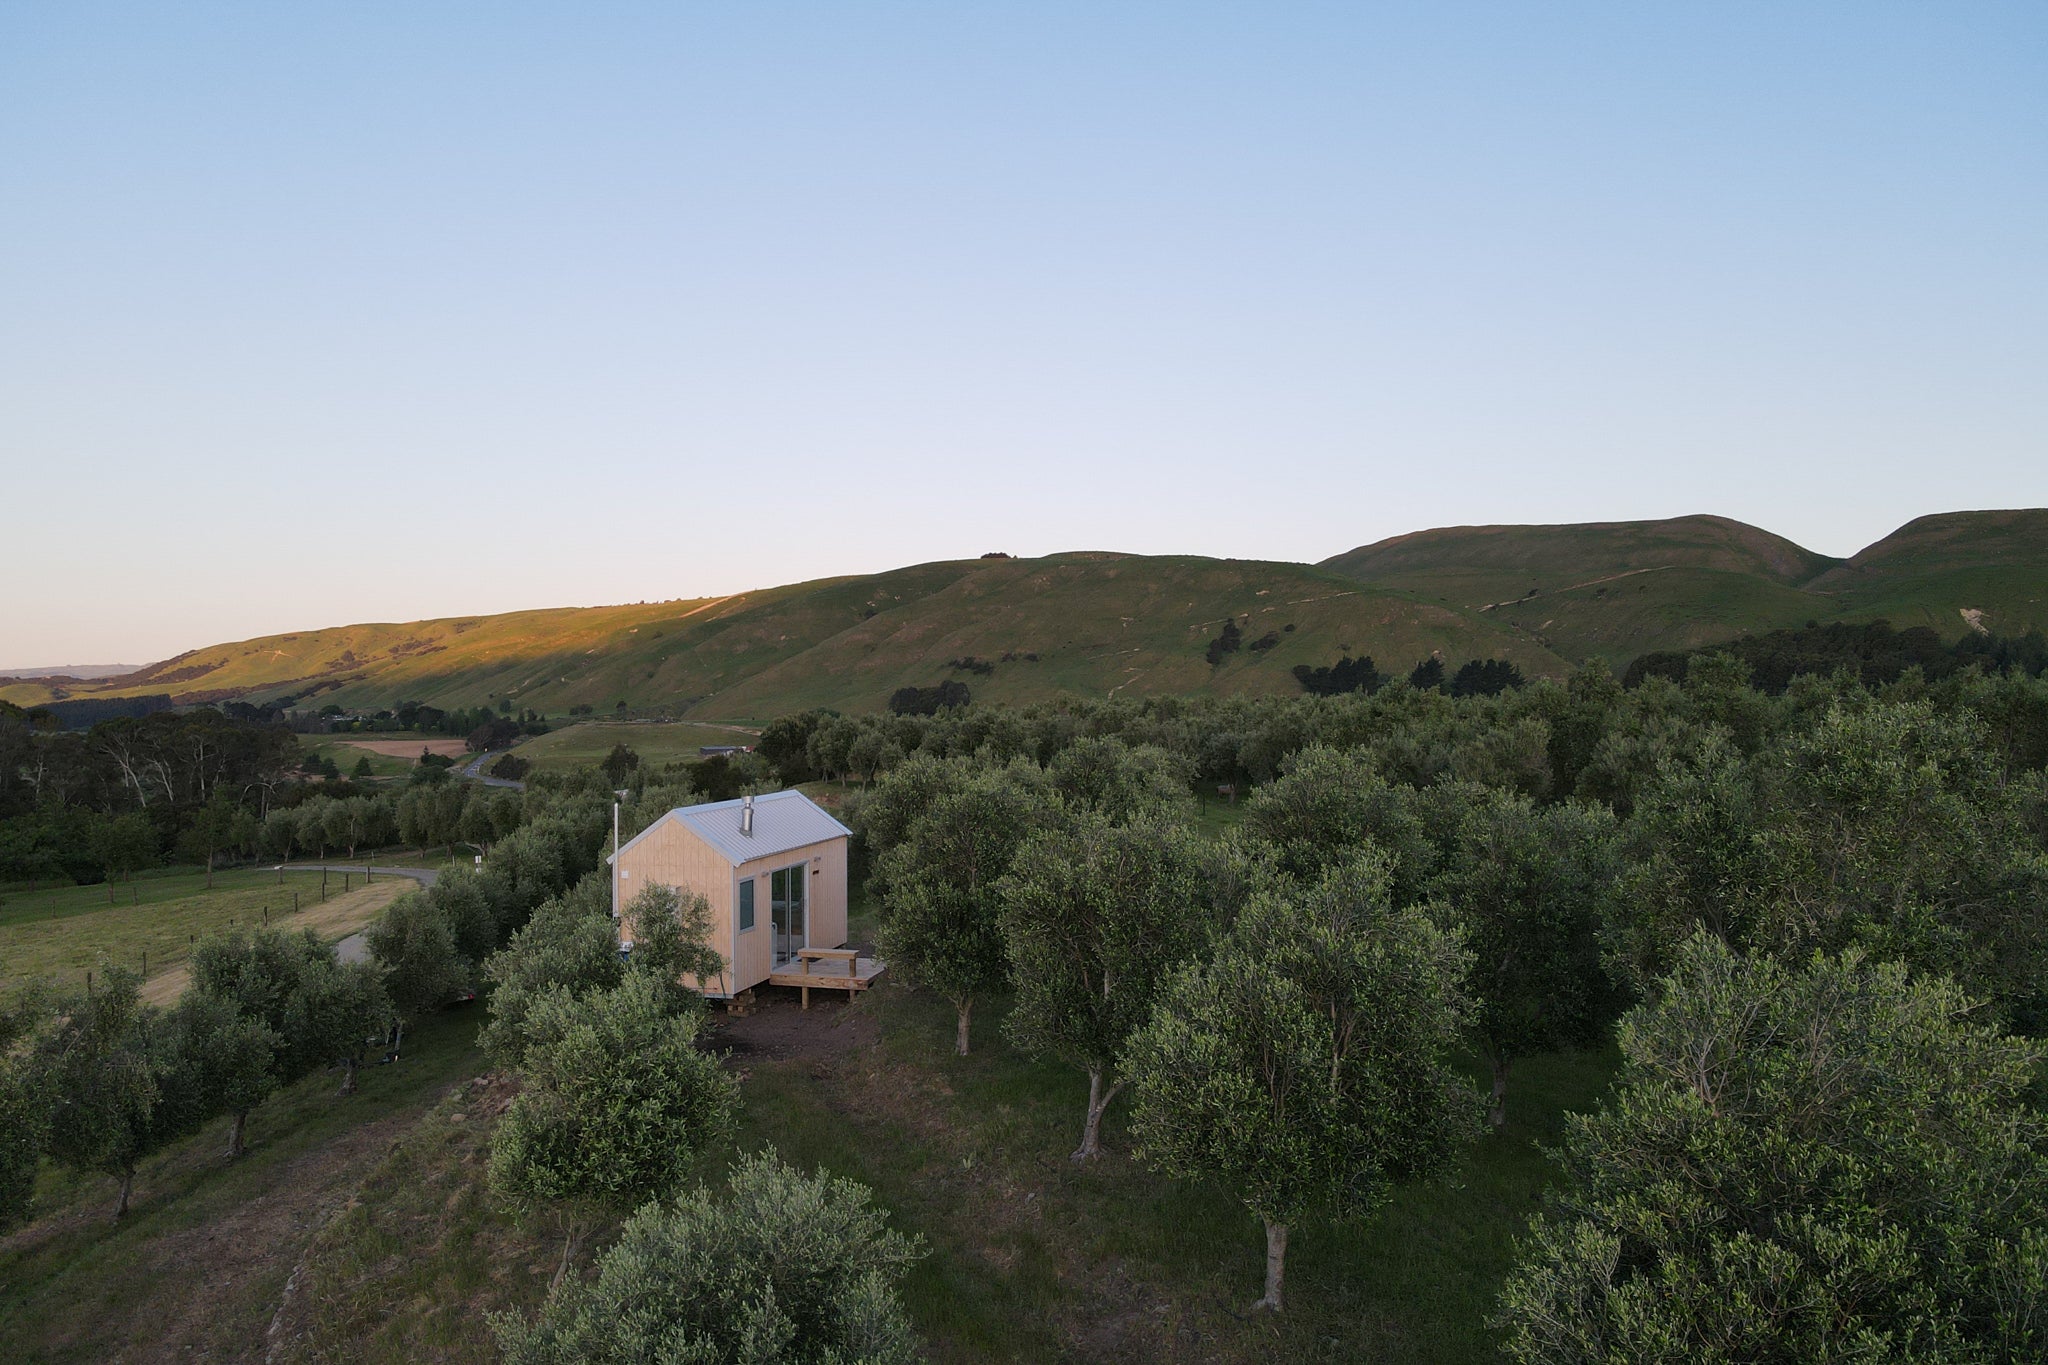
x=355, y=948
x=474, y=770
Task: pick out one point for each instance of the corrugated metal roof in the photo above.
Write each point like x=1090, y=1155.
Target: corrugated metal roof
x=782, y=821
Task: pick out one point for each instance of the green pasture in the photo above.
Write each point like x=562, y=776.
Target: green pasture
x=62, y=933
x=657, y=742
x=346, y=756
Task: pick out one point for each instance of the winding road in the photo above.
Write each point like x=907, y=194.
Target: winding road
x=474, y=771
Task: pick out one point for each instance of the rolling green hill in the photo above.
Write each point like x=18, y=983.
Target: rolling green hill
x=1092, y=624
x=1933, y=569
x=1476, y=565
x=1614, y=590
x=1545, y=597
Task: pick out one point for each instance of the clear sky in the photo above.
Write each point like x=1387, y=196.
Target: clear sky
x=313, y=314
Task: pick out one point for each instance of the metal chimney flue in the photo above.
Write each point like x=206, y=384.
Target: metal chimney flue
x=747, y=815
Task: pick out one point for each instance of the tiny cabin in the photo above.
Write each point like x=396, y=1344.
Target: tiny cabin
x=773, y=868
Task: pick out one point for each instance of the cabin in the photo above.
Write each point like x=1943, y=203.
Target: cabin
x=773, y=868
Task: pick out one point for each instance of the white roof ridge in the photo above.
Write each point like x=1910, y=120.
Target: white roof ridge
x=783, y=828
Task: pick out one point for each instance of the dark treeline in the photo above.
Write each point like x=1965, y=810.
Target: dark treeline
x=1474, y=678
x=1874, y=652
x=202, y=787
x=478, y=726
x=1590, y=737
x=85, y=712
x=928, y=701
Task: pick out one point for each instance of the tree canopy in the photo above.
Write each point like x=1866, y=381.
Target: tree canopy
x=1832, y=1162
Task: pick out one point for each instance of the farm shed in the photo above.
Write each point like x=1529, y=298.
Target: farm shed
x=773, y=868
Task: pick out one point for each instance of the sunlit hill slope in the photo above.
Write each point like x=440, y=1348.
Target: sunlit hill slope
x=1092, y=624
x=1100, y=624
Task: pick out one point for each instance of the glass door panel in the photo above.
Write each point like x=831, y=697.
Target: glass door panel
x=786, y=907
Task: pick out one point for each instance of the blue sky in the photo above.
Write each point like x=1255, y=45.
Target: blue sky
x=317, y=314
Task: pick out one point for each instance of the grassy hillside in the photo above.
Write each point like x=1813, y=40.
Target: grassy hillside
x=1477, y=565
x=490, y=650
x=586, y=744
x=1096, y=624
x=1099, y=624
x=1615, y=590
x=1933, y=569
x=1653, y=609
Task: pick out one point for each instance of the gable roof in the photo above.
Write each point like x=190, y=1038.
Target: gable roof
x=782, y=821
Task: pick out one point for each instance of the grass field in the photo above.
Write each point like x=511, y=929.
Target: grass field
x=62, y=934
x=346, y=756
x=586, y=743
x=199, y=1268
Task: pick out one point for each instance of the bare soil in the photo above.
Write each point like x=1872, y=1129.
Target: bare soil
x=408, y=748
x=835, y=1025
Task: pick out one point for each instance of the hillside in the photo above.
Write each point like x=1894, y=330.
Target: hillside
x=1098, y=623
x=1476, y=565
x=1615, y=590
x=1932, y=569
x=1087, y=623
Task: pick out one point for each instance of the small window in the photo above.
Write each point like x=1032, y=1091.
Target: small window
x=746, y=904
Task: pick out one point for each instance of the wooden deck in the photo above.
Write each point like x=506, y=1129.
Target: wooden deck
x=830, y=969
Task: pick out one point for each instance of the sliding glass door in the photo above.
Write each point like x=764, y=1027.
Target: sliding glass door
x=786, y=890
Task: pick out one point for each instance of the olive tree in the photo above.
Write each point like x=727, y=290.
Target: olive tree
x=779, y=1268
x=1329, y=802
x=1838, y=1162
x=1308, y=1065
x=1528, y=888
x=332, y=1017
x=568, y=945
x=671, y=936
x=1095, y=917
x=24, y=1105
x=618, y=1103
x=414, y=944
x=213, y=1059
x=1886, y=826
x=1121, y=782
x=940, y=919
x=103, y=1082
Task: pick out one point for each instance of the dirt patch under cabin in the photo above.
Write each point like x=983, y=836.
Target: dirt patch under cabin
x=781, y=1029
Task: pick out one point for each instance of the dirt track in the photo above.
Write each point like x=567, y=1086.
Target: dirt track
x=338, y=917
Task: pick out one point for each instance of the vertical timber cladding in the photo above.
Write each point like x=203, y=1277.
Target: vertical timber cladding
x=826, y=896
x=672, y=854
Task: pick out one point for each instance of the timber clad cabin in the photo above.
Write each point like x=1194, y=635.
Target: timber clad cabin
x=773, y=868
